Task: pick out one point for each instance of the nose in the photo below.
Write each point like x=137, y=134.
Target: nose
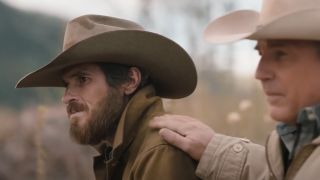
x=264, y=71
x=68, y=96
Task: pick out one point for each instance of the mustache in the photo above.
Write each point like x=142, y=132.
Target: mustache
x=75, y=106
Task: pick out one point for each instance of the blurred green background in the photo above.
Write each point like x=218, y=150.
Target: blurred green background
x=28, y=40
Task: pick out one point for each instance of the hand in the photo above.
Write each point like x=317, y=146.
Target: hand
x=186, y=133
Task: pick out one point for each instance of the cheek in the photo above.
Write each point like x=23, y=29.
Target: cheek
x=312, y=89
x=306, y=93
x=94, y=104
x=293, y=91
x=285, y=107
x=92, y=97
x=297, y=94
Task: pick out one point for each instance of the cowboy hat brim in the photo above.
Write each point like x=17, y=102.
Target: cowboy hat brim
x=169, y=66
x=233, y=26
x=299, y=25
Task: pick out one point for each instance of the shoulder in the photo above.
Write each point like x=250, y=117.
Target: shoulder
x=156, y=159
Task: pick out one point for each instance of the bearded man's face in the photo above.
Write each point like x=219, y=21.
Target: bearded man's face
x=93, y=107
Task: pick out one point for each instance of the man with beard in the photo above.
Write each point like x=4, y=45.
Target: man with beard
x=114, y=73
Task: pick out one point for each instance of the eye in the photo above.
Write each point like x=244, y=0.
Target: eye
x=279, y=54
x=258, y=52
x=83, y=80
x=65, y=84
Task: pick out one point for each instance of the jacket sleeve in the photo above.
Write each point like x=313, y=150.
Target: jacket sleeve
x=233, y=158
x=163, y=162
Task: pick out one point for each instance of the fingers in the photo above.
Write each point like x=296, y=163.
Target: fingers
x=175, y=139
x=188, y=134
x=165, y=121
x=174, y=122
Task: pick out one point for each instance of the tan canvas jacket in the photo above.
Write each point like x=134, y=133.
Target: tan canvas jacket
x=304, y=166
x=139, y=153
x=230, y=158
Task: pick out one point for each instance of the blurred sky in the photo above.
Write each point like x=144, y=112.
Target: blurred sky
x=68, y=9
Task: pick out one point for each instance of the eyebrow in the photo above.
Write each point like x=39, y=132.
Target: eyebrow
x=276, y=43
x=75, y=73
x=78, y=73
x=272, y=44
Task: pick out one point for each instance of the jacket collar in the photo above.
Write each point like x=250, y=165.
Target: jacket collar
x=273, y=153
x=304, y=132
x=128, y=123
x=309, y=122
x=134, y=111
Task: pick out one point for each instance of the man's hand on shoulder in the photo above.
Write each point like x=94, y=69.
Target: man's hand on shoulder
x=184, y=132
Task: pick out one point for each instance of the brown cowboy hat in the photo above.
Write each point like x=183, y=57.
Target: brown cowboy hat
x=94, y=38
x=279, y=19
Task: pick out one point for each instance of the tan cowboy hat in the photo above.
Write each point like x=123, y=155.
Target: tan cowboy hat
x=94, y=38
x=279, y=19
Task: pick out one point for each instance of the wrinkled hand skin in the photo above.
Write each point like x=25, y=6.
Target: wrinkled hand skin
x=188, y=134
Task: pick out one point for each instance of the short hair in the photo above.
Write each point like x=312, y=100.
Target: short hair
x=117, y=74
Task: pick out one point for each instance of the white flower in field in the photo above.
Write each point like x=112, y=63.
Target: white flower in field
x=245, y=104
x=233, y=117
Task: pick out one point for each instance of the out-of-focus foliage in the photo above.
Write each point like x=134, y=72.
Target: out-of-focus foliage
x=35, y=144
x=233, y=106
x=27, y=40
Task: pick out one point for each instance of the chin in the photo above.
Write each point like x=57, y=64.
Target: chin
x=80, y=121
x=283, y=115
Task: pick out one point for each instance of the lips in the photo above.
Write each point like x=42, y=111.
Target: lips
x=273, y=94
x=273, y=97
x=271, y=91
x=75, y=107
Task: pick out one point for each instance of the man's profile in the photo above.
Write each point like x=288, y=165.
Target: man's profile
x=114, y=73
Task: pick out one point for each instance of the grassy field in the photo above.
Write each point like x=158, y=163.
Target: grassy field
x=35, y=142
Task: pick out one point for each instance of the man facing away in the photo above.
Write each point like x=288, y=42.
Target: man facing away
x=114, y=73
x=288, y=40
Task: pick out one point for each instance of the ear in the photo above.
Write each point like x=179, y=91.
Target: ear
x=134, y=82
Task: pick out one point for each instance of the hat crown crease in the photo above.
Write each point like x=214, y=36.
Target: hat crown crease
x=88, y=26
x=273, y=9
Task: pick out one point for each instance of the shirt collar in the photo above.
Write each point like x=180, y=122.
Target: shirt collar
x=129, y=121
x=304, y=131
